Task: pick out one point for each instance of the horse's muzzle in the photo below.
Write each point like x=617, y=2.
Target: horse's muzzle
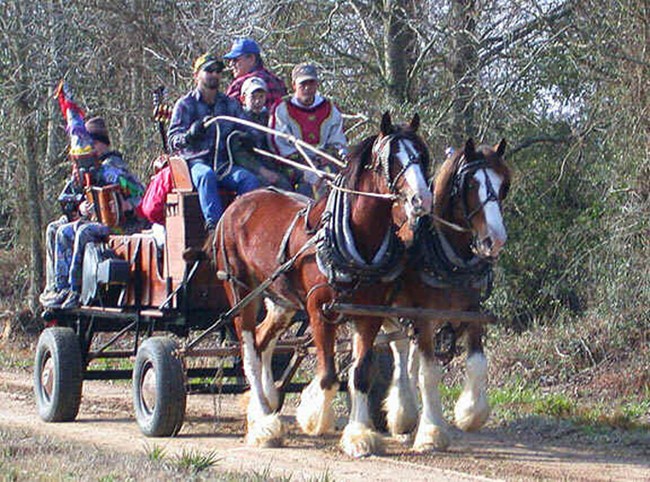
x=490, y=247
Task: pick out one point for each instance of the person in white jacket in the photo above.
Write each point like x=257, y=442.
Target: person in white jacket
x=312, y=118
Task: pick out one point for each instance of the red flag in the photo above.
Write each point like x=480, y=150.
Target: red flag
x=81, y=144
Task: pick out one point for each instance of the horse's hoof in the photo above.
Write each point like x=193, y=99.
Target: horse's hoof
x=360, y=441
x=431, y=438
x=401, y=411
x=314, y=423
x=314, y=414
x=471, y=414
x=405, y=439
x=266, y=432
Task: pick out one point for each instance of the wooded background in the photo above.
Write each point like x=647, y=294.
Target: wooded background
x=565, y=82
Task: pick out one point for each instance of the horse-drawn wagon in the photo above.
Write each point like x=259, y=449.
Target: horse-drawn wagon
x=135, y=288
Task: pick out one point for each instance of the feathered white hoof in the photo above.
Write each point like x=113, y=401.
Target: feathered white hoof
x=471, y=413
x=430, y=438
x=405, y=439
x=265, y=432
x=314, y=414
x=401, y=411
x=360, y=441
x=313, y=421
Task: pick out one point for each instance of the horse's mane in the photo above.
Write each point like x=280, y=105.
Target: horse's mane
x=443, y=183
x=359, y=158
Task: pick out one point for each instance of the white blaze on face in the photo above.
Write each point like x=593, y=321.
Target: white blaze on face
x=415, y=180
x=495, y=229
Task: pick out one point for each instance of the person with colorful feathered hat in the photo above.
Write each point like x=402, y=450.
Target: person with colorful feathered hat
x=94, y=164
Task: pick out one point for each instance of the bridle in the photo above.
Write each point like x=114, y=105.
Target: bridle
x=381, y=151
x=460, y=183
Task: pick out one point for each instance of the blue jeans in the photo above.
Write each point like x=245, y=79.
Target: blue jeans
x=50, y=252
x=204, y=179
x=71, y=240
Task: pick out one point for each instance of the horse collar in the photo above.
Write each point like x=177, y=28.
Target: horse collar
x=439, y=266
x=337, y=255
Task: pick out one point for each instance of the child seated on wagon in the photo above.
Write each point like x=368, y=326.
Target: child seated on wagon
x=253, y=99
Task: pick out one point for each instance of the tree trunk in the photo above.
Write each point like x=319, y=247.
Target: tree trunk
x=398, y=45
x=464, y=65
x=35, y=220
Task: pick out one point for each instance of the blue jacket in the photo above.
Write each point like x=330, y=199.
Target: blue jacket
x=190, y=108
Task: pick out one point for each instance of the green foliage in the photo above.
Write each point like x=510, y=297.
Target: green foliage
x=155, y=453
x=554, y=405
x=194, y=461
x=517, y=399
x=516, y=393
x=264, y=475
x=109, y=478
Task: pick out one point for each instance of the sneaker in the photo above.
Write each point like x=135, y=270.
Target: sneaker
x=56, y=300
x=72, y=301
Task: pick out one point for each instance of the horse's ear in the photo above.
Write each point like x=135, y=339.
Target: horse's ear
x=501, y=148
x=415, y=122
x=386, y=124
x=470, y=150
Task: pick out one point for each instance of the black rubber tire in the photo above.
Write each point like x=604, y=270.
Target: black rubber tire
x=159, y=395
x=58, y=375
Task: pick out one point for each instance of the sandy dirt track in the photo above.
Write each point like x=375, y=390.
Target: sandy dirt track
x=216, y=423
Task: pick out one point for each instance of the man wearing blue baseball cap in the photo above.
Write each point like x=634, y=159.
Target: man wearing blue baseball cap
x=245, y=61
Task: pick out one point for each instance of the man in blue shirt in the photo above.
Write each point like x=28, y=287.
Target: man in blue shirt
x=196, y=143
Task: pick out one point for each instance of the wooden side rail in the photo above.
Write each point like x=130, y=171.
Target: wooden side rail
x=180, y=174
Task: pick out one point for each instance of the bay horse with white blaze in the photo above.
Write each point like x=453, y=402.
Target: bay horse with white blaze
x=450, y=268
x=342, y=247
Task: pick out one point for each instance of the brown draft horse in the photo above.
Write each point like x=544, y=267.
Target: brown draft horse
x=341, y=248
x=449, y=268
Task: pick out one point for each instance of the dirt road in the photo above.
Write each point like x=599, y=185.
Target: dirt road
x=215, y=423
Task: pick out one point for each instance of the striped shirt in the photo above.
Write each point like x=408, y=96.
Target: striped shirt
x=276, y=86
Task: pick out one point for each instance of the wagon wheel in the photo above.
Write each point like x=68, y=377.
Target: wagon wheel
x=58, y=375
x=159, y=388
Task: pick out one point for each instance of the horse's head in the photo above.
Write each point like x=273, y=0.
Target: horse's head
x=403, y=158
x=469, y=190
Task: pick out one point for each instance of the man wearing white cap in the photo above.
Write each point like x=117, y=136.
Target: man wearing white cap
x=253, y=99
x=308, y=116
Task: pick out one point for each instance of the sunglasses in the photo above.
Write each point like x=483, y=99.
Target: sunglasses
x=214, y=68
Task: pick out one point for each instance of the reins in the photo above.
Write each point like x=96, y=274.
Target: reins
x=301, y=147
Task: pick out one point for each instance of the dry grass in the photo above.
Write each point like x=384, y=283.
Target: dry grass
x=591, y=358
x=27, y=456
